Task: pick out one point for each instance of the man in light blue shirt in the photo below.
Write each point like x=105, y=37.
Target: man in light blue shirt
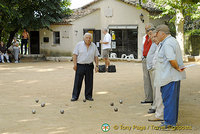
x=157, y=98
x=169, y=65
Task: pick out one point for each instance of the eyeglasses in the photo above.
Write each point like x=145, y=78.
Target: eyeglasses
x=157, y=33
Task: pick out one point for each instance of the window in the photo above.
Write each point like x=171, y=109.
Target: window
x=56, y=37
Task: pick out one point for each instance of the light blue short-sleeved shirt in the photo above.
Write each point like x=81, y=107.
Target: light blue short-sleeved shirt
x=85, y=55
x=169, y=50
x=150, y=56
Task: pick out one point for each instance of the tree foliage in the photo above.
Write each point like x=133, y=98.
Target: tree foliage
x=179, y=11
x=168, y=7
x=30, y=14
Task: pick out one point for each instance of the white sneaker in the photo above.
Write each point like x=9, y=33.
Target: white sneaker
x=8, y=61
x=3, y=62
x=16, y=62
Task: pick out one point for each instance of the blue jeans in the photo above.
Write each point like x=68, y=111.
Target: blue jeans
x=170, y=96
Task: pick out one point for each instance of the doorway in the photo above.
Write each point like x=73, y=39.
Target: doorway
x=34, y=42
x=125, y=40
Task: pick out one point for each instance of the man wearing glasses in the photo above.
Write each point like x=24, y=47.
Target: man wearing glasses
x=169, y=66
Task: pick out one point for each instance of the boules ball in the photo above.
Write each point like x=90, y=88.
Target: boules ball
x=120, y=101
x=115, y=109
x=43, y=104
x=62, y=111
x=112, y=104
x=33, y=112
x=84, y=100
x=36, y=100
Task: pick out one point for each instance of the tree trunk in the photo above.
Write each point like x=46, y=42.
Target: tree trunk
x=179, y=23
x=12, y=34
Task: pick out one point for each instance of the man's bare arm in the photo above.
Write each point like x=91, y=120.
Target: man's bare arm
x=96, y=60
x=75, y=62
x=174, y=64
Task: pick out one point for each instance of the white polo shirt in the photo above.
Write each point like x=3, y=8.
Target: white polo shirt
x=107, y=38
x=85, y=55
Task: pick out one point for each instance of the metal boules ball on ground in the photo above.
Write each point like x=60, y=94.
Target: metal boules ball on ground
x=36, y=100
x=84, y=100
x=111, y=104
x=33, y=111
x=43, y=104
x=115, y=109
x=120, y=101
x=62, y=111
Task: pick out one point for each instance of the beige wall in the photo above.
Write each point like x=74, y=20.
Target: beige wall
x=70, y=35
x=123, y=14
x=91, y=21
x=66, y=41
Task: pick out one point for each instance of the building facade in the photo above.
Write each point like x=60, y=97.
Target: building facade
x=125, y=21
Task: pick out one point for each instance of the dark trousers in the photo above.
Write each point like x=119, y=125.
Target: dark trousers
x=83, y=70
x=170, y=96
x=24, y=42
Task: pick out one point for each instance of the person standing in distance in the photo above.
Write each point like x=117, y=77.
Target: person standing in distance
x=84, y=54
x=106, y=47
x=25, y=37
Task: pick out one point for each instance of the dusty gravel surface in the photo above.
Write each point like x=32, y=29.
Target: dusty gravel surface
x=52, y=82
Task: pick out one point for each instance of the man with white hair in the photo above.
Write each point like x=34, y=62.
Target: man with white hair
x=16, y=50
x=106, y=46
x=84, y=54
x=151, y=61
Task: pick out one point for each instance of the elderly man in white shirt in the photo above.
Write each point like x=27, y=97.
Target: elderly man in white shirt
x=84, y=54
x=149, y=64
x=16, y=50
x=106, y=46
x=151, y=61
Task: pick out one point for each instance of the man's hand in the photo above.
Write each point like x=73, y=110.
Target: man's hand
x=75, y=67
x=96, y=69
x=101, y=42
x=181, y=69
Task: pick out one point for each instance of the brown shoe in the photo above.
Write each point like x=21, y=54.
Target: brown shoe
x=155, y=119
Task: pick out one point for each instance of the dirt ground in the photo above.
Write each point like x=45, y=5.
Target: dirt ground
x=52, y=82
